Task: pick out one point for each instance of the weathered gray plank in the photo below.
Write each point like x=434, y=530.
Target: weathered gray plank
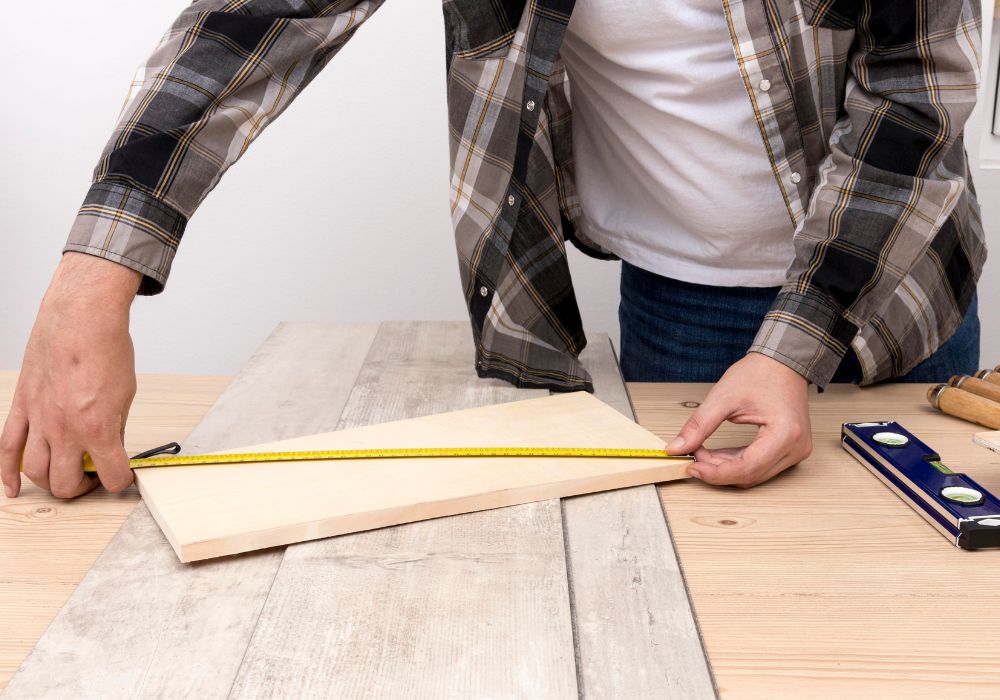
x=469, y=606
x=635, y=630
x=296, y=383
x=141, y=624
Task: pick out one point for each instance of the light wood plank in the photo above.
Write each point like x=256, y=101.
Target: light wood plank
x=470, y=606
x=217, y=510
x=141, y=624
x=990, y=439
x=47, y=544
x=636, y=631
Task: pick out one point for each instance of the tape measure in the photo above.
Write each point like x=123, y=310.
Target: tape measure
x=953, y=503
x=147, y=460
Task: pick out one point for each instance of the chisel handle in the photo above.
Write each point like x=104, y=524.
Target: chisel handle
x=962, y=404
x=974, y=385
x=989, y=375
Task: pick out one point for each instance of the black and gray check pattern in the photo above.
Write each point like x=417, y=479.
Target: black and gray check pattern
x=860, y=104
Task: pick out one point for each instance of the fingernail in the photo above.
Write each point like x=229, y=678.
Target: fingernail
x=695, y=473
x=676, y=445
x=8, y=490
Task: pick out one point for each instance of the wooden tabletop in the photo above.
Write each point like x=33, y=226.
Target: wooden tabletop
x=819, y=583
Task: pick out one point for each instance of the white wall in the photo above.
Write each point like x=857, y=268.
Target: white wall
x=319, y=221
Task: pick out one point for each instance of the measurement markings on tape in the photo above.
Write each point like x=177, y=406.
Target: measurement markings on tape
x=144, y=461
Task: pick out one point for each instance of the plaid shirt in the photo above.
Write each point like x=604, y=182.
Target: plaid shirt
x=860, y=104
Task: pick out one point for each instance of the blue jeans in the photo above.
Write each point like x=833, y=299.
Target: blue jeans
x=674, y=331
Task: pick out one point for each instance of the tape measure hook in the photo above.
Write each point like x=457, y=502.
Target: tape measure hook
x=171, y=448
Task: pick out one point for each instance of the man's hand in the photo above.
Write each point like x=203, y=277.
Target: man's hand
x=760, y=391
x=76, y=383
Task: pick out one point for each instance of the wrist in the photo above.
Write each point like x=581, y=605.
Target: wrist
x=83, y=280
x=780, y=369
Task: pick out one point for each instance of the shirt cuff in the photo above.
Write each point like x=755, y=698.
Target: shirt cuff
x=806, y=332
x=126, y=225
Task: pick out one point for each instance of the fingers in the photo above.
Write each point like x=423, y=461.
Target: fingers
x=57, y=466
x=112, y=466
x=12, y=440
x=702, y=423
x=36, y=459
x=771, y=452
x=66, y=476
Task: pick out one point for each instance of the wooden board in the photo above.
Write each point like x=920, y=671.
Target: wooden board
x=213, y=511
x=361, y=614
x=990, y=439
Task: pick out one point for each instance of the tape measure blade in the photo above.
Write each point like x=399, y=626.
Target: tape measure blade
x=396, y=453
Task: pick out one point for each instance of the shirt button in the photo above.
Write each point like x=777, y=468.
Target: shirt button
x=510, y=199
x=530, y=105
x=764, y=85
x=483, y=291
x=795, y=178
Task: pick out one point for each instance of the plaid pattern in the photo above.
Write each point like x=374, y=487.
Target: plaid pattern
x=860, y=105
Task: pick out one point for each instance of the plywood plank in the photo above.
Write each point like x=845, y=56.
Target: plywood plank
x=990, y=439
x=470, y=606
x=635, y=627
x=141, y=624
x=218, y=510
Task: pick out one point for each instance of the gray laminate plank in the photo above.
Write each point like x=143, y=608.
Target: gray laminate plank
x=141, y=624
x=635, y=629
x=474, y=605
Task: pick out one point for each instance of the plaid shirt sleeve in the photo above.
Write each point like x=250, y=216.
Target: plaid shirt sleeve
x=886, y=189
x=224, y=71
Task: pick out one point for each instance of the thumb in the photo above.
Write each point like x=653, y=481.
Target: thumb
x=702, y=423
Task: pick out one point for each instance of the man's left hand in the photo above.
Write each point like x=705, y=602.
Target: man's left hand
x=756, y=390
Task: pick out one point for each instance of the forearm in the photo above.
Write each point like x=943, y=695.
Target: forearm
x=223, y=72
x=886, y=192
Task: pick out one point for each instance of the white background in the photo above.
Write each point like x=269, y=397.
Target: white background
x=339, y=212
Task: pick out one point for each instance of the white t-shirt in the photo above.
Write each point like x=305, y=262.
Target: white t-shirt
x=670, y=164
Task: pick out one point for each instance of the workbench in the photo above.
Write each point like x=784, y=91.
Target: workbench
x=820, y=583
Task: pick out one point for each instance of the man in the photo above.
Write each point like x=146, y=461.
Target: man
x=836, y=235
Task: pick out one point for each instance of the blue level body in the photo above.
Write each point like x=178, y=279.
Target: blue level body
x=958, y=507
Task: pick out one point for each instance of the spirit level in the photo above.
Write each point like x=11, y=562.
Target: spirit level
x=958, y=507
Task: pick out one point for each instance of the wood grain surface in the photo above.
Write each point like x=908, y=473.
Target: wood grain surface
x=822, y=583
x=47, y=544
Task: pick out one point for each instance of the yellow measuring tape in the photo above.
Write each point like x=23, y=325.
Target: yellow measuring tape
x=391, y=453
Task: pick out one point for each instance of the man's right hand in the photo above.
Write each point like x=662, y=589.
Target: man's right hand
x=76, y=384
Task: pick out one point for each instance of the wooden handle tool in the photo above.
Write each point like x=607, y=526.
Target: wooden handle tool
x=976, y=386
x=989, y=375
x=964, y=405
